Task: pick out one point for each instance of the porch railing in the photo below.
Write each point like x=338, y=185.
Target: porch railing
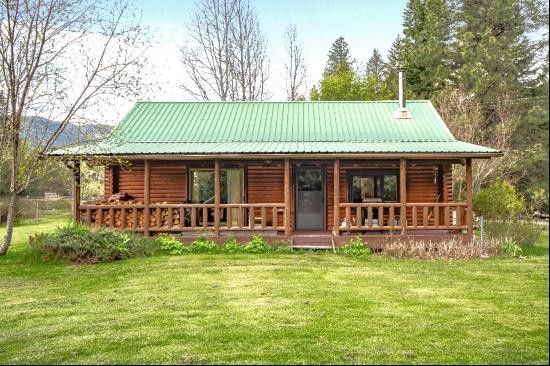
x=185, y=217
x=253, y=216
x=371, y=216
x=162, y=217
x=389, y=216
x=440, y=216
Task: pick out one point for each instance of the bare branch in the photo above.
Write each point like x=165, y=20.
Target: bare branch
x=59, y=57
x=295, y=67
x=226, y=56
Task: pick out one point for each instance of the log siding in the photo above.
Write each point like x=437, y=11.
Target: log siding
x=426, y=182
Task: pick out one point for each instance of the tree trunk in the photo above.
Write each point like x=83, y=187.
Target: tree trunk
x=12, y=210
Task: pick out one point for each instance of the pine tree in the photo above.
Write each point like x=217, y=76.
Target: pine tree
x=395, y=61
x=338, y=56
x=505, y=67
x=427, y=27
x=496, y=61
x=495, y=54
x=374, y=83
x=375, y=66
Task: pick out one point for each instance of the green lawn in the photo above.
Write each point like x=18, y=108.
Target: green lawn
x=302, y=308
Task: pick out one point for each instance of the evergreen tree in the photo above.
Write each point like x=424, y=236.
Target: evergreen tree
x=338, y=56
x=495, y=55
x=375, y=85
x=497, y=60
x=395, y=61
x=427, y=26
x=375, y=66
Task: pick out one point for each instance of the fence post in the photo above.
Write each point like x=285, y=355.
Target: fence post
x=146, y=197
x=481, y=230
x=76, y=190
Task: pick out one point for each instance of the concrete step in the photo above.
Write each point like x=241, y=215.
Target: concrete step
x=312, y=241
x=305, y=246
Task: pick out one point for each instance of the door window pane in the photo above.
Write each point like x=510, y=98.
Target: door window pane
x=310, y=180
x=310, y=201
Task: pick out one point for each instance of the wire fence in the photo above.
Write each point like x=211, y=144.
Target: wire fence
x=35, y=208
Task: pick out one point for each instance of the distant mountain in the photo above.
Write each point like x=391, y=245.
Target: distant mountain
x=36, y=129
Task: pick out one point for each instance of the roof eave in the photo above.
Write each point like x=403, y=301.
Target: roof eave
x=270, y=156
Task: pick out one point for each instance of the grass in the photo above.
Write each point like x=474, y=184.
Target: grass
x=300, y=308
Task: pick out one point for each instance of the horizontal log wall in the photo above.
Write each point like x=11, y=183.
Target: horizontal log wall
x=129, y=179
x=108, y=181
x=265, y=183
x=168, y=181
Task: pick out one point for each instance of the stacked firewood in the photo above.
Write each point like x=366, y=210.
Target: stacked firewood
x=122, y=199
x=163, y=218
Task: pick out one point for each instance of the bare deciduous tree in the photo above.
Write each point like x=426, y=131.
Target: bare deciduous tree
x=295, y=67
x=58, y=59
x=464, y=115
x=226, y=56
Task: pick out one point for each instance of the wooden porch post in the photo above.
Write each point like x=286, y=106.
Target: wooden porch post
x=146, y=197
x=287, y=198
x=76, y=191
x=403, y=194
x=469, y=199
x=336, y=184
x=217, y=197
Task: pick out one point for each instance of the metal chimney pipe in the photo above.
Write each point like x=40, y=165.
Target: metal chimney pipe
x=402, y=101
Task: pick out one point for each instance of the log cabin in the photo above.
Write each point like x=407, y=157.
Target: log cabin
x=311, y=172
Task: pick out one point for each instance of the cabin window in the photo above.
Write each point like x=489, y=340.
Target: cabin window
x=373, y=187
x=201, y=182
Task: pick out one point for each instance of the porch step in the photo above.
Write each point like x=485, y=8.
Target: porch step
x=305, y=246
x=312, y=241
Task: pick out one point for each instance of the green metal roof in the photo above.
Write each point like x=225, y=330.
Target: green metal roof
x=277, y=127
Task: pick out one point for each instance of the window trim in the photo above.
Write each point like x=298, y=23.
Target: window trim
x=372, y=173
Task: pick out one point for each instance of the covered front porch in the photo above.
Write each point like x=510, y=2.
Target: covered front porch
x=287, y=198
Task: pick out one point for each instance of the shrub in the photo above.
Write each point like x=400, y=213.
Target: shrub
x=523, y=232
x=231, y=245
x=257, y=245
x=538, y=200
x=78, y=244
x=355, y=247
x=203, y=245
x=499, y=201
x=171, y=245
x=141, y=246
x=511, y=248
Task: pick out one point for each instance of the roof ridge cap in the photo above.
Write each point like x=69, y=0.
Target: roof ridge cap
x=279, y=101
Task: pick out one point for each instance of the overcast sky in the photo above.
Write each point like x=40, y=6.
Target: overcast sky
x=365, y=25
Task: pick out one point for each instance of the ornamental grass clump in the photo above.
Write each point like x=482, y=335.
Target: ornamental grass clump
x=451, y=248
x=511, y=248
